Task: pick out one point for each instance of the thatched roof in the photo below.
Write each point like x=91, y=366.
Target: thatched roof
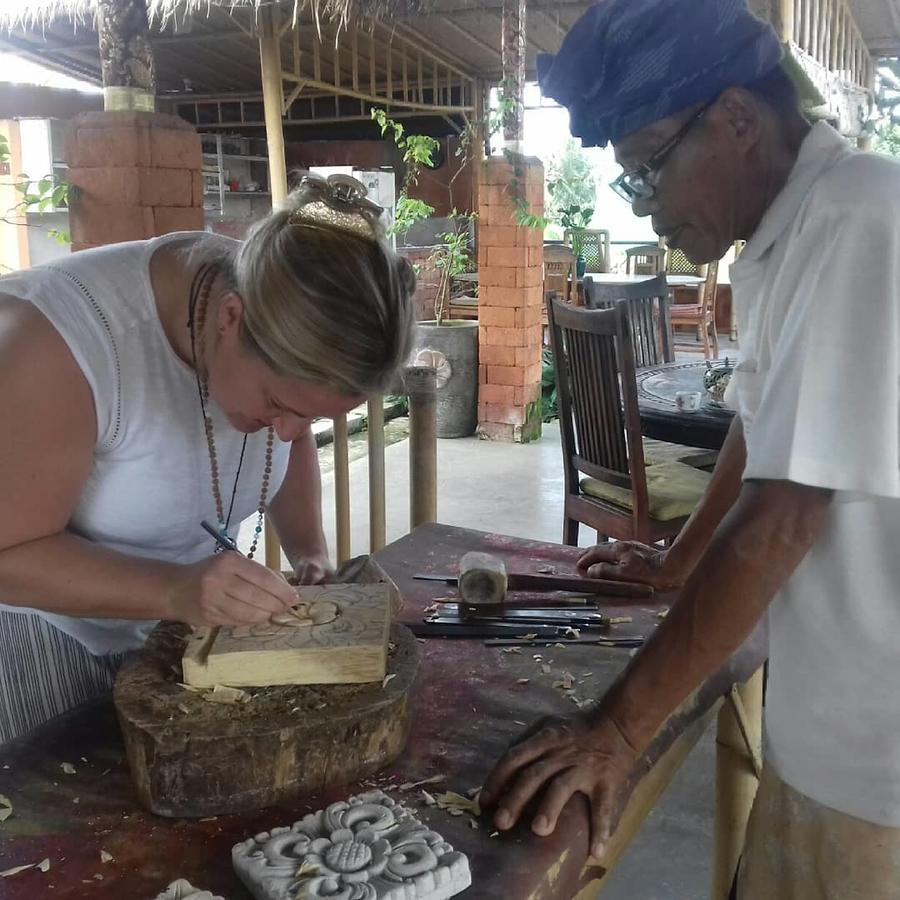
x=40, y=13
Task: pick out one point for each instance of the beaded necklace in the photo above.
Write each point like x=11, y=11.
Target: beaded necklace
x=197, y=308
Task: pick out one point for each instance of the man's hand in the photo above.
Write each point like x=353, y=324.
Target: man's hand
x=631, y=561
x=559, y=757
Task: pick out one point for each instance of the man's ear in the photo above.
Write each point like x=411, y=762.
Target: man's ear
x=740, y=112
x=230, y=312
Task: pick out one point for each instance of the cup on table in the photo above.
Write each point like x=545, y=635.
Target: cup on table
x=688, y=401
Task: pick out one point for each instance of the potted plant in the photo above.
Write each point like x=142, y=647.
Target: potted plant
x=576, y=219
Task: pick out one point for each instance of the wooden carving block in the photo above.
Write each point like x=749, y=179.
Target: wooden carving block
x=365, y=848
x=338, y=635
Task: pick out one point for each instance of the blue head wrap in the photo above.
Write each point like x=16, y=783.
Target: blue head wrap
x=627, y=63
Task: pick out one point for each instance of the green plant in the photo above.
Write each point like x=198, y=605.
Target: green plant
x=884, y=121
x=451, y=257
x=549, y=410
x=575, y=219
x=45, y=194
x=571, y=181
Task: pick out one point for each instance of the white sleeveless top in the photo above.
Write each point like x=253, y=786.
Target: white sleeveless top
x=149, y=487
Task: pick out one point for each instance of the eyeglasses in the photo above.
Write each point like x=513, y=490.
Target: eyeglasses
x=641, y=183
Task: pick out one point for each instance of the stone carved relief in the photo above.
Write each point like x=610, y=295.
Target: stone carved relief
x=182, y=889
x=365, y=848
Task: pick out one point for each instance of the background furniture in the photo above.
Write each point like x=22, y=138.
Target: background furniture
x=595, y=248
x=648, y=259
x=560, y=271
x=700, y=316
x=593, y=356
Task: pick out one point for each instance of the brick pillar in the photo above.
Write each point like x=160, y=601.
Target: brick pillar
x=137, y=175
x=510, y=304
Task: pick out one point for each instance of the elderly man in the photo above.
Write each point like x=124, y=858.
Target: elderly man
x=802, y=518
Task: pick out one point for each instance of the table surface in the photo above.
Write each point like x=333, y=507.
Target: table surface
x=661, y=418
x=468, y=705
x=622, y=278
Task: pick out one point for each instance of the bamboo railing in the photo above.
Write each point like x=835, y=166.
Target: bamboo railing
x=828, y=31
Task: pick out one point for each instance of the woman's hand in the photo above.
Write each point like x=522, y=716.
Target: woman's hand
x=631, y=561
x=556, y=758
x=229, y=589
x=317, y=570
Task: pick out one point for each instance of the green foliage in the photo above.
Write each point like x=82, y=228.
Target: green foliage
x=451, y=257
x=407, y=212
x=576, y=219
x=45, y=195
x=570, y=181
x=549, y=410
x=888, y=141
x=885, y=117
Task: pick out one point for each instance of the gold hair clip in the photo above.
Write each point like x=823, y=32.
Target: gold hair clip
x=339, y=201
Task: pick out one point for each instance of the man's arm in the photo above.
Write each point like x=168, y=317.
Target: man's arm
x=753, y=553
x=670, y=568
x=296, y=512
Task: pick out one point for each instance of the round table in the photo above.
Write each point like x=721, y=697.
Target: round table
x=661, y=418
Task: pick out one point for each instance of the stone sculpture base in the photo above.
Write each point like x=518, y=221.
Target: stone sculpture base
x=191, y=757
x=365, y=848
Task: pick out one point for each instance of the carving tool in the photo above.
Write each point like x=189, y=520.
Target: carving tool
x=549, y=615
x=591, y=640
x=223, y=540
x=571, y=583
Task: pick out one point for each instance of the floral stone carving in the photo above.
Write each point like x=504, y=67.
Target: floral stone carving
x=368, y=847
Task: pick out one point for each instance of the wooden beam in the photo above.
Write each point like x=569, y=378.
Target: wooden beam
x=377, y=516
x=470, y=38
x=341, y=488
x=419, y=41
x=354, y=64
x=289, y=100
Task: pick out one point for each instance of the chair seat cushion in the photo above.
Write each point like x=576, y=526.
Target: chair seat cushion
x=662, y=451
x=673, y=488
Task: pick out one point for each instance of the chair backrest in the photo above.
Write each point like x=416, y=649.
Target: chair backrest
x=595, y=252
x=559, y=270
x=645, y=260
x=647, y=303
x=710, y=289
x=677, y=263
x=599, y=417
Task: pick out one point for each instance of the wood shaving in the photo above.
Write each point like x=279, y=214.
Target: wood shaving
x=620, y=620
x=97, y=876
x=587, y=674
x=44, y=865
x=571, y=632
x=520, y=724
x=566, y=683
x=662, y=613
x=473, y=824
x=409, y=785
x=432, y=607
x=494, y=834
x=537, y=656
x=6, y=808
x=547, y=570
x=545, y=668
x=387, y=679
x=184, y=709
x=8, y=873
x=105, y=857
x=522, y=680
x=559, y=646
x=222, y=694
x=527, y=637
x=429, y=799
x=457, y=804
x=513, y=650
x=190, y=687
x=68, y=768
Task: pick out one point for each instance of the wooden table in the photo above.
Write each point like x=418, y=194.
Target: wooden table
x=468, y=705
x=661, y=418
x=674, y=281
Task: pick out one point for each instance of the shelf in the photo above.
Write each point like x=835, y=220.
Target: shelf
x=241, y=193
x=238, y=156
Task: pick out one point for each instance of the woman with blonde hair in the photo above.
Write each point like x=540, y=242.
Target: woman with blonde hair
x=147, y=386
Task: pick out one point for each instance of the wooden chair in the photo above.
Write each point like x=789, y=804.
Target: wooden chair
x=648, y=307
x=600, y=429
x=596, y=248
x=560, y=271
x=700, y=316
x=647, y=259
x=677, y=263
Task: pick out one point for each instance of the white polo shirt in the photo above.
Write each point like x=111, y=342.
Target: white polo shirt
x=817, y=294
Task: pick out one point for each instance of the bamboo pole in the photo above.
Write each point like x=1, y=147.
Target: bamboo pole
x=421, y=386
x=377, y=515
x=273, y=104
x=342, y=488
x=738, y=751
x=784, y=23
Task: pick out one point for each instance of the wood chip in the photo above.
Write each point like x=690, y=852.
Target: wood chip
x=662, y=613
x=587, y=674
x=6, y=808
x=409, y=785
x=8, y=873
x=520, y=724
x=190, y=687
x=473, y=823
x=68, y=768
x=105, y=857
x=44, y=865
x=513, y=650
x=545, y=668
x=571, y=632
x=559, y=646
x=222, y=694
x=566, y=683
x=527, y=637
x=522, y=680
x=387, y=679
x=620, y=620
x=495, y=834
x=547, y=570
x=184, y=709
x=429, y=799
x=457, y=804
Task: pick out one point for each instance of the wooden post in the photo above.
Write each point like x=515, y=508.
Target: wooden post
x=739, y=724
x=513, y=61
x=421, y=385
x=377, y=516
x=126, y=56
x=783, y=19
x=273, y=105
x=342, y=488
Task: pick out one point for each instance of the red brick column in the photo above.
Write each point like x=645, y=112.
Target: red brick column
x=510, y=304
x=136, y=175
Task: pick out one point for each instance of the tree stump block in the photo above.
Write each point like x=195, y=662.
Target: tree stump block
x=191, y=757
